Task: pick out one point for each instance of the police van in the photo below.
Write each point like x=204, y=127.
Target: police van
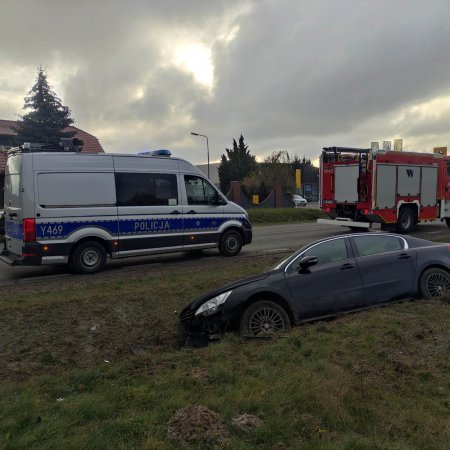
x=81, y=208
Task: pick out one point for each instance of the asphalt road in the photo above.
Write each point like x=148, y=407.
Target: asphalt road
x=281, y=239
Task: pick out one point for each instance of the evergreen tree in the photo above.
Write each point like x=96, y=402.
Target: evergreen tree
x=236, y=164
x=48, y=117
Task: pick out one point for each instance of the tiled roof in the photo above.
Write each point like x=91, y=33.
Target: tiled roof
x=5, y=127
x=2, y=161
x=91, y=143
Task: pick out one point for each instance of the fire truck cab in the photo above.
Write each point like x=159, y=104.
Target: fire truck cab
x=359, y=187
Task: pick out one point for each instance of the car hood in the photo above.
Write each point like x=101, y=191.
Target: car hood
x=228, y=287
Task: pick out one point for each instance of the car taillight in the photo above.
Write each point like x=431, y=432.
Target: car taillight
x=29, y=230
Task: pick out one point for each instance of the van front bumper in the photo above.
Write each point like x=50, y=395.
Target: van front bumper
x=247, y=232
x=31, y=256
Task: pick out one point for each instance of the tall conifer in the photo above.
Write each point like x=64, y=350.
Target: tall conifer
x=48, y=118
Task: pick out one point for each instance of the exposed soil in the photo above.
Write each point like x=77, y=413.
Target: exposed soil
x=247, y=422
x=197, y=423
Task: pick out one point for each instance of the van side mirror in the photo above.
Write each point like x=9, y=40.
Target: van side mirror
x=307, y=261
x=220, y=200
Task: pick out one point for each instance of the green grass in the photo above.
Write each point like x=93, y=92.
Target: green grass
x=377, y=379
x=283, y=215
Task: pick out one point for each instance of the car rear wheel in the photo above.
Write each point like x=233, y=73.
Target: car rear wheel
x=434, y=283
x=264, y=318
x=88, y=257
x=230, y=243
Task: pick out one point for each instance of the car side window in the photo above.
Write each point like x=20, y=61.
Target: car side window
x=199, y=191
x=326, y=252
x=372, y=245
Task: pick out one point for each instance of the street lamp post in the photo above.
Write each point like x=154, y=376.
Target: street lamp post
x=207, y=145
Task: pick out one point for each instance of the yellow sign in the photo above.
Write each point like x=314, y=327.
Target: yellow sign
x=440, y=150
x=255, y=199
x=298, y=178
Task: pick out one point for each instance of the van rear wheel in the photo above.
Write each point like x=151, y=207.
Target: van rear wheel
x=230, y=243
x=88, y=257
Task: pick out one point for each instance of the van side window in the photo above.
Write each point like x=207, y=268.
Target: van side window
x=199, y=191
x=146, y=189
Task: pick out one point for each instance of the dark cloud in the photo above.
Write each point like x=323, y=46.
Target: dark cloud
x=298, y=75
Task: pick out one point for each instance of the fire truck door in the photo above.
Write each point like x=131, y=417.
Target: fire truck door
x=346, y=183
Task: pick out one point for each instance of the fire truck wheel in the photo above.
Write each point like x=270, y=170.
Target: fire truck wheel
x=358, y=229
x=447, y=221
x=434, y=282
x=406, y=220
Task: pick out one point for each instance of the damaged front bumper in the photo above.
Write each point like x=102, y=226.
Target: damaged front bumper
x=201, y=328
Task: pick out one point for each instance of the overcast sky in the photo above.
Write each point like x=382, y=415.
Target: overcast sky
x=288, y=74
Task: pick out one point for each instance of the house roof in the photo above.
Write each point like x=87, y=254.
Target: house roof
x=91, y=143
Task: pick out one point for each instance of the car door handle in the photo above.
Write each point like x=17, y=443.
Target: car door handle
x=404, y=256
x=175, y=212
x=192, y=212
x=347, y=266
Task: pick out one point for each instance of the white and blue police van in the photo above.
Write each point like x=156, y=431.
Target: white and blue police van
x=81, y=208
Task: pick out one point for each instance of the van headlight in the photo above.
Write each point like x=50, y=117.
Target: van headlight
x=211, y=306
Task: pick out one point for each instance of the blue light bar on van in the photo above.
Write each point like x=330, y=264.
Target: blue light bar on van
x=161, y=152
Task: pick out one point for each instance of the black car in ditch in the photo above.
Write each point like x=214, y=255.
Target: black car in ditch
x=341, y=273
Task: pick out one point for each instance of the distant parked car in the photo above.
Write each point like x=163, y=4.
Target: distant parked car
x=298, y=200
x=329, y=276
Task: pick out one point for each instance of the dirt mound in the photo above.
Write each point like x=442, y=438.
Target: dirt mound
x=200, y=375
x=195, y=423
x=246, y=422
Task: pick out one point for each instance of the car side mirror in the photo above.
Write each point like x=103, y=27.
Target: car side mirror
x=307, y=261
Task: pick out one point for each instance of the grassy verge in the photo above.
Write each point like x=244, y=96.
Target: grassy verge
x=96, y=364
x=283, y=215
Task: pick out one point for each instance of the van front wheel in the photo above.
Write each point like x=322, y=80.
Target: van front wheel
x=230, y=243
x=88, y=257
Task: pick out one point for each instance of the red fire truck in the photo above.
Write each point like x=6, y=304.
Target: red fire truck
x=359, y=187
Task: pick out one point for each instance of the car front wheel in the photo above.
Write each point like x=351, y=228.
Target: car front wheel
x=434, y=283
x=264, y=318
